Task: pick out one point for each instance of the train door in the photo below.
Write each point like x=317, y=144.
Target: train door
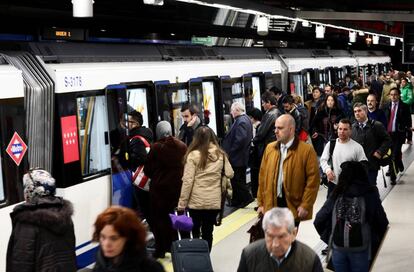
x=253, y=84
x=231, y=91
x=117, y=104
x=203, y=93
x=169, y=100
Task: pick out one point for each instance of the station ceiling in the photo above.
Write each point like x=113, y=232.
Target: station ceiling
x=180, y=20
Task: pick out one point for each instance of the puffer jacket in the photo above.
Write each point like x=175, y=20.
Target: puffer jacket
x=43, y=237
x=201, y=187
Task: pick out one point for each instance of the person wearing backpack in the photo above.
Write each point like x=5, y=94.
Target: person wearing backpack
x=352, y=220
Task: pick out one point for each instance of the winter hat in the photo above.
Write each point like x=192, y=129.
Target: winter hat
x=163, y=130
x=38, y=183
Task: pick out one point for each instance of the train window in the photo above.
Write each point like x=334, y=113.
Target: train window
x=93, y=129
x=2, y=198
x=137, y=100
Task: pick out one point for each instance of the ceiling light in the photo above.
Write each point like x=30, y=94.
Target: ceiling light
x=320, y=31
x=352, y=36
x=172, y=34
x=82, y=8
x=361, y=33
x=375, y=39
x=262, y=26
x=305, y=24
x=392, y=41
x=154, y=2
x=401, y=39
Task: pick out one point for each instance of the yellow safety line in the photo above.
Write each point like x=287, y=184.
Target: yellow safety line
x=230, y=224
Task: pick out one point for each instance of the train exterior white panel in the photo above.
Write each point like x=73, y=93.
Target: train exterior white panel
x=93, y=76
x=11, y=82
x=372, y=60
x=298, y=64
x=89, y=199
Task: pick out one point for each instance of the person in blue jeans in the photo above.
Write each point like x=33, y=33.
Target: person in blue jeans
x=352, y=252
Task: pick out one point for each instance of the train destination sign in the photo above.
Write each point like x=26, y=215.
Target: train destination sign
x=16, y=149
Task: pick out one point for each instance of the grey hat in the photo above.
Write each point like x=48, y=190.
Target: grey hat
x=38, y=183
x=163, y=130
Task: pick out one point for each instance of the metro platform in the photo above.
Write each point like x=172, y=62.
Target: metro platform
x=396, y=250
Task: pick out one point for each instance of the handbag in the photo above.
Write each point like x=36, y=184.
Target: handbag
x=139, y=178
x=181, y=222
x=256, y=231
x=226, y=192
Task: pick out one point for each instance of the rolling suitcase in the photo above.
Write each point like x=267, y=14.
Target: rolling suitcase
x=190, y=255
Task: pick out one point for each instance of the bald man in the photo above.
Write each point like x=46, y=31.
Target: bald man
x=289, y=173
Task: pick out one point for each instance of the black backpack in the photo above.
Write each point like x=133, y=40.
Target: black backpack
x=350, y=230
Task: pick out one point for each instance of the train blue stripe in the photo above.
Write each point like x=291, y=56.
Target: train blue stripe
x=83, y=245
x=86, y=258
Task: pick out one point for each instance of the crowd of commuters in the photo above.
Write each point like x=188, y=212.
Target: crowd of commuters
x=341, y=134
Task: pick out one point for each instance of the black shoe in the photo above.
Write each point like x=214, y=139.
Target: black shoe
x=324, y=251
x=388, y=173
x=393, y=182
x=401, y=168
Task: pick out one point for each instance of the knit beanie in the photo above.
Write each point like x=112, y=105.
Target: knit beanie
x=163, y=130
x=38, y=183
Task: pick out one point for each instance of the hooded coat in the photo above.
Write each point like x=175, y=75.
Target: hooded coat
x=165, y=168
x=375, y=214
x=42, y=237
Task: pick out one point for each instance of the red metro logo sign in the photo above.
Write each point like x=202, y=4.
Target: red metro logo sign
x=16, y=149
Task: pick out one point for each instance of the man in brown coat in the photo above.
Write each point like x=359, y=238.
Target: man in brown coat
x=289, y=173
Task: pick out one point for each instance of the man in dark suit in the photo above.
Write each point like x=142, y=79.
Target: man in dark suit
x=399, y=127
x=237, y=143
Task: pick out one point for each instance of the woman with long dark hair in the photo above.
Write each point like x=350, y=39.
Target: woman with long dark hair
x=201, y=188
x=325, y=123
x=121, y=238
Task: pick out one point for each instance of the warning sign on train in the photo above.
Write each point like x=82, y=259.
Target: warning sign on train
x=16, y=149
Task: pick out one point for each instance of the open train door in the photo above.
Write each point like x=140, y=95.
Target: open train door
x=117, y=103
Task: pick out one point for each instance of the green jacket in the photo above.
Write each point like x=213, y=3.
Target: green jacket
x=407, y=94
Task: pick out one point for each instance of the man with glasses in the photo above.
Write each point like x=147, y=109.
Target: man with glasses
x=279, y=250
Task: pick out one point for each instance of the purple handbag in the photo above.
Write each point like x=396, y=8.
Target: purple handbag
x=181, y=222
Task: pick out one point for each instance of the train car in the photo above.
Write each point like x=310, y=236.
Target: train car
x=66, y=100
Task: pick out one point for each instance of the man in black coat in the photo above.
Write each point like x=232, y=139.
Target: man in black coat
x=42, y=237
x=266, y=131
x=136, y=155
x=237, y=145
x=373, y=137
x=399, y=127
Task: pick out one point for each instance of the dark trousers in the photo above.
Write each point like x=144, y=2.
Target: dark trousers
x=281, y=202
x=331, y=187
x=254, y=180
x=203, y=221
x=372, y=177
x=398, y=140
x=241, y=194
x=141, y=203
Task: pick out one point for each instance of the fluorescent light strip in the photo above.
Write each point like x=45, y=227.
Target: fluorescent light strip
x=256, y=12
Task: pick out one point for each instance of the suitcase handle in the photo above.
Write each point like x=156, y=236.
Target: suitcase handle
x=178, y=231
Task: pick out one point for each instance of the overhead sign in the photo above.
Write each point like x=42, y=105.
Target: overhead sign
x=207, y=41
x=16, y=149
x=69, y=139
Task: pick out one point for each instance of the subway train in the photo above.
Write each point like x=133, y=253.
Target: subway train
x=61, y=102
